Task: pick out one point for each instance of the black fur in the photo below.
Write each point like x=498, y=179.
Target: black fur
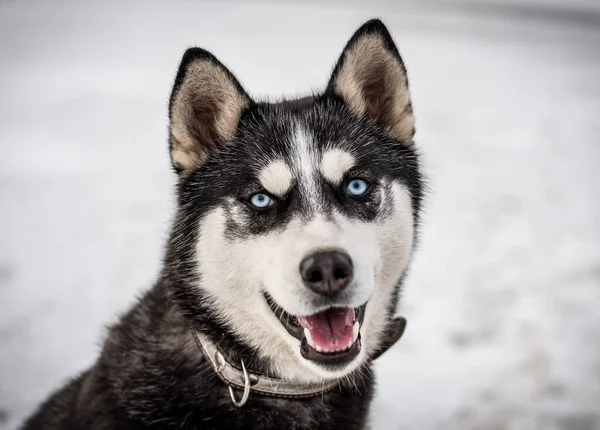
x=151, y=373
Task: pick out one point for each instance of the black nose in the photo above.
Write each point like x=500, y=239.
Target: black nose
x=326, y=272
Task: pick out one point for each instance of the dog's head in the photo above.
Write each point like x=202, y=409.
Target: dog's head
x=297, y=219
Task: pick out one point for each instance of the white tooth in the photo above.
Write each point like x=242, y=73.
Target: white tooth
x=349, y=344
x=318, y=348
x=355, y=330
x=308, y=337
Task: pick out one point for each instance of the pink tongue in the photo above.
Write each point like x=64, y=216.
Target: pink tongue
x=331, y=329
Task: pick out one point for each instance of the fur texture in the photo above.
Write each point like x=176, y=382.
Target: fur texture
x=224, y=256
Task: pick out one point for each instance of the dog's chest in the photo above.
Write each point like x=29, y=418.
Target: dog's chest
x=309, y=414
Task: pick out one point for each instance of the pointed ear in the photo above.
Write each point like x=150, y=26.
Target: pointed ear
x=371, y=78
x=204, y=110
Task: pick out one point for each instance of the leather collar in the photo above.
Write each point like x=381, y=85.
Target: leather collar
x=238, y=377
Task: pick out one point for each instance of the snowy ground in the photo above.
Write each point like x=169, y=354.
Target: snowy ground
x=504, y=300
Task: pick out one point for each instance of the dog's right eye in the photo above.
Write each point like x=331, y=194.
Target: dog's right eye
x=357, y=187
x=261, y=201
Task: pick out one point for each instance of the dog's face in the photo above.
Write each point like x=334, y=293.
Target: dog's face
x=304, y=211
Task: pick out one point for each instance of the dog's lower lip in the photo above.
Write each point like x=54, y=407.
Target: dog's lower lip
x=331, y=358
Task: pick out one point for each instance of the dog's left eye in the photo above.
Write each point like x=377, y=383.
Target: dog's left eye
x=357, y=187
x=261, y=200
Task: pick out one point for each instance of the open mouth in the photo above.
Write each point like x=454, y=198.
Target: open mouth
x=330, y=337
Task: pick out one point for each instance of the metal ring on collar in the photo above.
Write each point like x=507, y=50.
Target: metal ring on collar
x=246, y=394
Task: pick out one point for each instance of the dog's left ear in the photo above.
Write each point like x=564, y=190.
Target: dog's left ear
x=371, y=78
x=205, y=108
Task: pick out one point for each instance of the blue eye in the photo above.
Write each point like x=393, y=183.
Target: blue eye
x=357, y=187
x=261, y=201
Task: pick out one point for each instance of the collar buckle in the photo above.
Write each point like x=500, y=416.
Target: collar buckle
x=246, y=394
x=247, y=382
x=265, y=385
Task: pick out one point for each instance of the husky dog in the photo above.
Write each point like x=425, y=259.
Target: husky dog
x=295, y=226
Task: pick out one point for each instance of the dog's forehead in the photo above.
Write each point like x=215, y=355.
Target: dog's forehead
x=304, y=160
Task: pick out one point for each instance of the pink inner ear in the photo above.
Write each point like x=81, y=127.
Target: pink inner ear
x=203, y=126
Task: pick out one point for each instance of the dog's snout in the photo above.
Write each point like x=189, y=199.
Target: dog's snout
x=327, y=272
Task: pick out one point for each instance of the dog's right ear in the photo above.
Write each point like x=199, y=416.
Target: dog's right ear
x=371, y=78
x=204, y=110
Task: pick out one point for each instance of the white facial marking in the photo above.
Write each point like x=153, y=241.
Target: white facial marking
x=236, y=213
x=395, y=236
x=276, y=177
x=335, y=164
x=305, y=166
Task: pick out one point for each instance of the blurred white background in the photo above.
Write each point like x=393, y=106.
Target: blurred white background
x=503, y=303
